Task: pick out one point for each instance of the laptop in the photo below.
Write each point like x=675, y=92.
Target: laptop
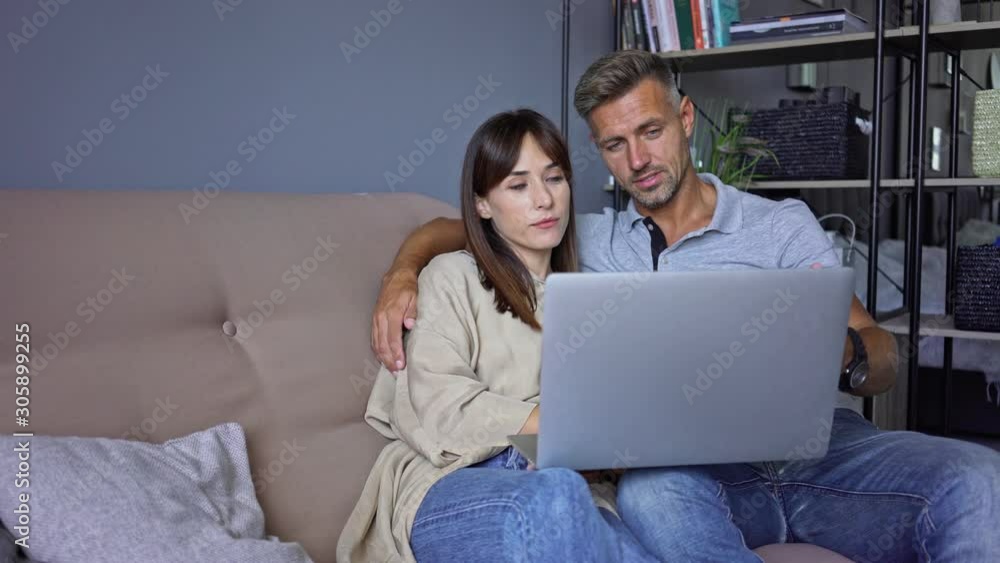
x=646, y=369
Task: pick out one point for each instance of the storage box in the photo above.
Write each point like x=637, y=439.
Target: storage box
x=815, y=140
x=986, y=134
x=977, y=288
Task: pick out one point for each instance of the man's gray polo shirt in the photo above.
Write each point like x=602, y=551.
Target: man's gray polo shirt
x=746, y=232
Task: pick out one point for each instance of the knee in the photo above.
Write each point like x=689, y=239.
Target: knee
x=641, y=490
x=551, y=501
x=970, y=478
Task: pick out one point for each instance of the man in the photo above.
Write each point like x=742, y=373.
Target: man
x=885, y=496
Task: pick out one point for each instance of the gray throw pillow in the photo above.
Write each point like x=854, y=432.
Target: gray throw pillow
x=97, y=499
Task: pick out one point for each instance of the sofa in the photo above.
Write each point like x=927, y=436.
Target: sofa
x=160, y=313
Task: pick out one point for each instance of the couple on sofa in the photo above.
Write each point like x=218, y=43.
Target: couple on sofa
x=450, y=488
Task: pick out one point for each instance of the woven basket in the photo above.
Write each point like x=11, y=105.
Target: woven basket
x=986, y=134
x=977, y=288
x=811, y=142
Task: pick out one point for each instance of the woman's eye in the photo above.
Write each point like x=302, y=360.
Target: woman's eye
x=556, y=179
x=518, y=186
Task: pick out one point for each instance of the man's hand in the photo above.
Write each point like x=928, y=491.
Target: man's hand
x=396, y=307
x=397, y=301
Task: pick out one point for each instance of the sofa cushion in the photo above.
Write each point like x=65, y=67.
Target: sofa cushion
x=150, y=322
x=100, y=499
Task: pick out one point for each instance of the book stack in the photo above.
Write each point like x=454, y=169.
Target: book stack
x=674, y=25
x=812, y=24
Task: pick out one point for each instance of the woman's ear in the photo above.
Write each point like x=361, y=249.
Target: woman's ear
x=483, y=208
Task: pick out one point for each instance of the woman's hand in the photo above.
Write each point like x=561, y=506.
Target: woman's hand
x=531, y=425
x=396, y=308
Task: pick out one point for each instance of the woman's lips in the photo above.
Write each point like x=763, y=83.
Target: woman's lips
x=547, y=224
x=649, y=181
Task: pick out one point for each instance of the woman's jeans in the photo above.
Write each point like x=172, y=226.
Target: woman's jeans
x=876, y=496
x=497, y=511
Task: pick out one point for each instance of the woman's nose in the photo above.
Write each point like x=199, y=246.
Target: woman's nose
x=543, y=197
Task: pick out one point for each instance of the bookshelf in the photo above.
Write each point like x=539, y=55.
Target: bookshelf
x=913, y=43
x=902, y=41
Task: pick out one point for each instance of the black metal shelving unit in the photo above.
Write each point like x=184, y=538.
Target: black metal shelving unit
x=913, y=43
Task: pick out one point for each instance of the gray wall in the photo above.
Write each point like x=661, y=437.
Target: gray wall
x=224, y=74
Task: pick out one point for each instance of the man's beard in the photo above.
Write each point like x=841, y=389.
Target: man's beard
x=658, y=197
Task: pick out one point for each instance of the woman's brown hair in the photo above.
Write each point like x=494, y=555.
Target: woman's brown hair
x=490, y=157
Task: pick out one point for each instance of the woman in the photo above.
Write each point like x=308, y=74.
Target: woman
x=449, y=487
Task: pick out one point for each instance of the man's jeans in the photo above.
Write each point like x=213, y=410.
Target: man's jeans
x=876, y=496
x=497, y=511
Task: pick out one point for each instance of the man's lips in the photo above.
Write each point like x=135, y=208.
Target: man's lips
x=649, y=180
x=546, y=223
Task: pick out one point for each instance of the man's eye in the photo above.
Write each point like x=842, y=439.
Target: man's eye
x=614, y=146
x=654, y=133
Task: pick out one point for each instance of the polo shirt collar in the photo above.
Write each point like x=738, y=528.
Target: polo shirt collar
x=728, y=215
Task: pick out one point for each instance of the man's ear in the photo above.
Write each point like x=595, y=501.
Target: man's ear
x=687, y=116
x=483, y=208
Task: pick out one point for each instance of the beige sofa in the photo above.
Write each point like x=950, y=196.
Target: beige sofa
x=160, y=313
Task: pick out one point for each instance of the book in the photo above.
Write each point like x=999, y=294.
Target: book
x=710, y=27
x=773, y=22
x=724, y=13
x=705, y=26
x=695, y=15
x=652, y=25
x=683, y=10
x=628, y=35
x=639, y=25
x=777, y=34
x=669, y=36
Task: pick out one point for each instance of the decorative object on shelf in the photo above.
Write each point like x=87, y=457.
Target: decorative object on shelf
x=733, y=155
x=986, y=134
x=821, y=138
x=801, y=77
x=977, y=288
x=994, y=70
x=946, y=11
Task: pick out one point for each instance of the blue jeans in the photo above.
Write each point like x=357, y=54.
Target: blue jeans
x=498, y=511
x=876, y=496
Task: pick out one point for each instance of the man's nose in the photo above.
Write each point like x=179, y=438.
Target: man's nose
x=638, y=157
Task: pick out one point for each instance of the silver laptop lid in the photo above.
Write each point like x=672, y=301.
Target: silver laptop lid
x=660, y=369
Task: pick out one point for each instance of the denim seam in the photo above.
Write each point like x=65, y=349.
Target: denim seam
x=922, y=541
x=845, y=492
x=742, y=484
x=721, y=495
x=467, y=508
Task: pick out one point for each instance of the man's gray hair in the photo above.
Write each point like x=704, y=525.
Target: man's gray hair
x=615, y=74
